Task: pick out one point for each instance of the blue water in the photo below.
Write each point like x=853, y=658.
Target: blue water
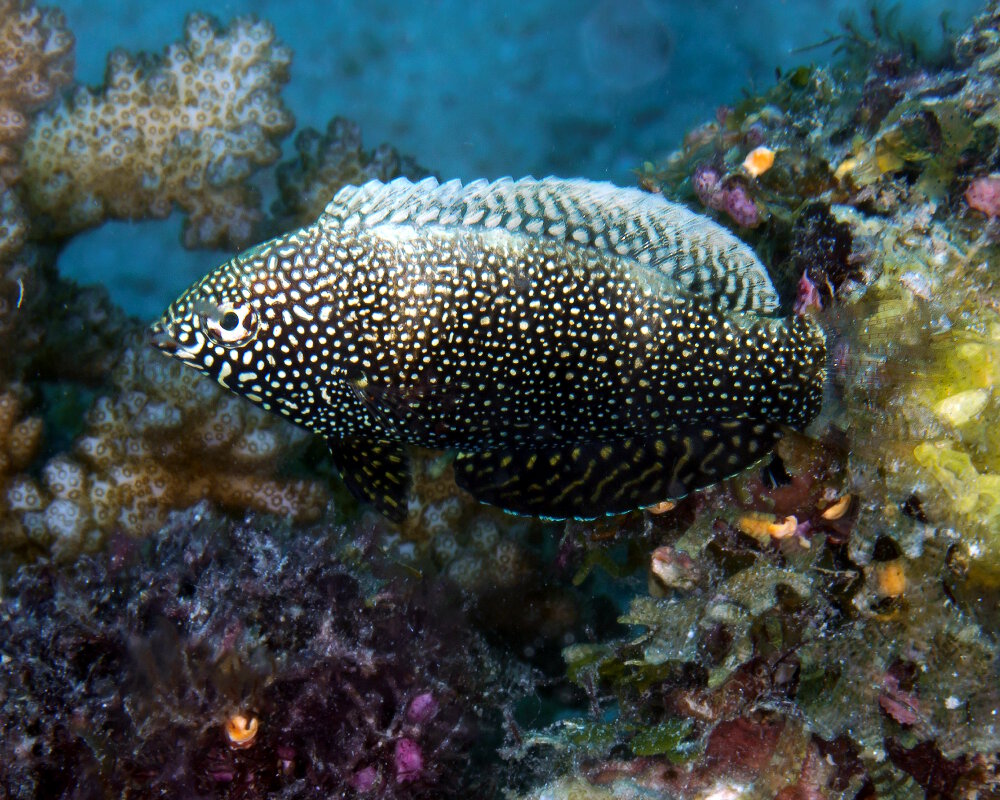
x=589, y=88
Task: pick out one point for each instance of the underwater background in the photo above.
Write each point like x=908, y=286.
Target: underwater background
x=191, y=604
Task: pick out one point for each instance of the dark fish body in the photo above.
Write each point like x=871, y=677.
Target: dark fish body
x=585, y=349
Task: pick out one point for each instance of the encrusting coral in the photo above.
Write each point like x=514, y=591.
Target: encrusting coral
x=868, y=215
x=182, y=130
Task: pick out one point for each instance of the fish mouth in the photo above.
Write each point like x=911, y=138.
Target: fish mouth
x=160, y=336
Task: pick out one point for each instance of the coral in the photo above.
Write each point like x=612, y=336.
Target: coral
x=52, y=329
x=185, y=130
x=872, y=227
x=162, y=439
x=20, y=441
x=325, y=163
x=770, y=651
x=36, y=60
x=934, y=386
x=822, y=626
x=127, y=675
x=477, y=546
x=13, y=222
x=491, y=557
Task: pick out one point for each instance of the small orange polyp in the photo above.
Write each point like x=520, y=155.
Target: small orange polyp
x=837, y=509
x=891, y=578
x=758, y=161
x=241, y=730
x=662, y=508
x=763, y=527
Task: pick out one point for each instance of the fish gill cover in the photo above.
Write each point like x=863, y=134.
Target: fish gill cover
x=191, y=603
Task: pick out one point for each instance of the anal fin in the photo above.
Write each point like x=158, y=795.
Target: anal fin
x=593, y=479
x=375, y=471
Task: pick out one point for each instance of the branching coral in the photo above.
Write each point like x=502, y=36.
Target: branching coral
x=818, y=627
x=325, y=163
x=20, y=440
x=185, y=130
x=476, y=546
x=13, y=222
x=162, y=440
x=348, y=686
x=36, y=60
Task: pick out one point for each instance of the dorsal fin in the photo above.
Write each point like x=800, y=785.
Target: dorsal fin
x=698, y=255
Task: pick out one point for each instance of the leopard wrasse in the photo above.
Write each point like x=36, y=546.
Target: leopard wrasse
x=583, y=349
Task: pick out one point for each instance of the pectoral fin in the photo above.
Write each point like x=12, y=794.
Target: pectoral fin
x=589, y=480
x=375, y=471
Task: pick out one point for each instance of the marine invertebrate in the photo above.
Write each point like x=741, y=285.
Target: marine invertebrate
x=153, y=662
x=37, y=57
x=52, y=330
x=13, y=222
x=241, y=730
x=182, y=130
x=20, y=440
x=161, y=440
x=728, y=195
x=587, y=349
x=327, y=162
x=478, y=547
x=851, y=637
x=36, y=60
x=758, y=161
x=823, y=253
x=932, y=417
x=738, y=633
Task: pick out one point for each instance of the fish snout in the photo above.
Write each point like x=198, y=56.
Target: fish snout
x=161, y=336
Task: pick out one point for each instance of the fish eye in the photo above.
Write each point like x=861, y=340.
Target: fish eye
x=231, y=324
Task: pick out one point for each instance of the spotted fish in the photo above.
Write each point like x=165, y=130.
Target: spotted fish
x=584, y=349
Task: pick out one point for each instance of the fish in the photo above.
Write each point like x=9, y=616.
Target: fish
x=583, y=349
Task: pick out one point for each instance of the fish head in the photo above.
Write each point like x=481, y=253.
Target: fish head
x=216, y=320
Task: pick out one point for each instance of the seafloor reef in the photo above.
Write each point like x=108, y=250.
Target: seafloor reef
x=190, y=606
x=828, y=627
x=215, y=659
